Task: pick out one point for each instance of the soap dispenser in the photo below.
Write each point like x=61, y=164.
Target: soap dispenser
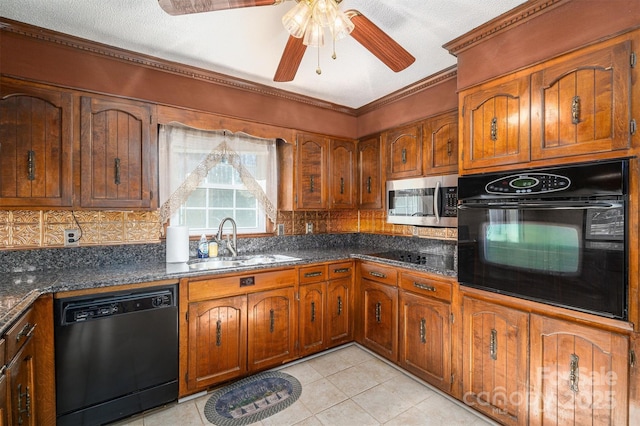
x=203, y=247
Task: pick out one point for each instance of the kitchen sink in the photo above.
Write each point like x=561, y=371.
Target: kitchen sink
x=213, y=263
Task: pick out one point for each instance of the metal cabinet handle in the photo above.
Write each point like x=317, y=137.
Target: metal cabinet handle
x=272, y=321
x=218, y=333
x=27, y=404
x=26, y=331
x=423, y=330
x=378, y=312
x=574, y=371
x=311, y=184
x=341, y=270
x=377, y=274
x=449, y=145
x=575, y=110
x=339, y=305
x=312, y=274
x=494, y=129
x=369, y=185
x=341, y=185
x=117, y=167
x=424, y=286
x=404, y=155
x=493, y=344
x=31, y=173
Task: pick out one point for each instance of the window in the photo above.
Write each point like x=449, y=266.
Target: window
x=210, y=175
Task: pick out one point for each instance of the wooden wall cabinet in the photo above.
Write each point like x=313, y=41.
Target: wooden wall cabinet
x=494, y=367
x=36, y=145
x=403, y=148
x=312, y=172
x=582, y=104
x=370, y=179
x=495, y=123
x=378, y=308
x=579, y=374
x=440, y=135
x=425, y=329
x=325, y=306
x=119, y=154
x=342, y=183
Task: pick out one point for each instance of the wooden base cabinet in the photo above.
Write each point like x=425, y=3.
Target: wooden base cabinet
x=217, y=341
x=4, y=402
x=579, y=375
x=380, y=318
x=495, y=361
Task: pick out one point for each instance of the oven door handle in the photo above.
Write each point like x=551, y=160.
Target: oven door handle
x=569, y=205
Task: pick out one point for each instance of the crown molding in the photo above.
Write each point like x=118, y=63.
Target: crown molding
x=516, y=16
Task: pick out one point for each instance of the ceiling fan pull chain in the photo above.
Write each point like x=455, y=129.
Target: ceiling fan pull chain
x=334, y=56
x=318, y=70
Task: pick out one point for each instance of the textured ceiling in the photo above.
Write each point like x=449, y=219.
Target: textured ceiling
x=247, y=43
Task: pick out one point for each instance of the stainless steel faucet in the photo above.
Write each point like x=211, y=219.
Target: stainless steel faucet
x=232, y=246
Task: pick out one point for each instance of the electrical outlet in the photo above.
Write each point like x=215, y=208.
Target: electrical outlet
x=71, y=238
x=309, y=227
x=280, y=229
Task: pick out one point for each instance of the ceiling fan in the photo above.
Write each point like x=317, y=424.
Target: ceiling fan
x=305, y=23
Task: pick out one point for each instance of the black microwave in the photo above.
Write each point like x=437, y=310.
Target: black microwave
x=424, y=201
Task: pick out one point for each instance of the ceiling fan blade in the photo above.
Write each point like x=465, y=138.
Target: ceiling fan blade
x=379, y=43
x=184, y=7
x=290, y=60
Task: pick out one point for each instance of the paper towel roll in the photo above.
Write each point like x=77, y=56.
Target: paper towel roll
x=177, y=244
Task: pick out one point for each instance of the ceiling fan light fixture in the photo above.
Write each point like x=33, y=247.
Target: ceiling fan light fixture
x=314, y=35
x=325, y=11
x=296, y=20
x=342, y=26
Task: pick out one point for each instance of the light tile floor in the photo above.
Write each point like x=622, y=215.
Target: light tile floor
x=348, y=386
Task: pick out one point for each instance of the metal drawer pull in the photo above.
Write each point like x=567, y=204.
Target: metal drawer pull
x=31, y=173
x=493, y=344
x=117, y=166
x=378, y=312
x=423, y=330
x=424, y=286
x=377, y=274
x=494, y=129
x=218, y=333
x=313, y=311
x=369, y=185
x=26, y=331
x=574, y=371
x=575, y=110
x=339, y=305
x=312, y=274
x=272, y=321
x=341, y=270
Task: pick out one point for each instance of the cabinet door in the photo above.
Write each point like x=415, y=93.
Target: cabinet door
x=425, y=339
x=441, y=144
x=118, y=154
x=369, y=174
x=342, y=161
x=35, y=145
x=272, y=322
x=582, y=105
x=312, y=318
x=404, y=150
x=339, y=328
x=217, y=341
x=380, y=318
x=495, y=120
x=579, y=375
x=4, y=404
x=21, y=374
x=312, y=172
x=495, y=361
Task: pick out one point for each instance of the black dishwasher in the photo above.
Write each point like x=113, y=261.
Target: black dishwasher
x=116, y=354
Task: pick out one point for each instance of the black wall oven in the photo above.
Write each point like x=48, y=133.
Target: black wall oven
x=555, y=235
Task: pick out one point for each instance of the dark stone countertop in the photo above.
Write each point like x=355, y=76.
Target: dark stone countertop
x=18, y=290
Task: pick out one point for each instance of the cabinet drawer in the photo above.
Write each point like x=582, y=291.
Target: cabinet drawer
x=313, y=274
x=19, y=333
x=382, y=274
x=340, y=270
x=426, y=286
x=238, y=284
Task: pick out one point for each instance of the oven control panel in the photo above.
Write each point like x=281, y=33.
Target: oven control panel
x=530, y=183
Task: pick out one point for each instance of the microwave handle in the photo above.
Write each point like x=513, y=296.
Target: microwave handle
x=546, y=206
x=436, y=202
